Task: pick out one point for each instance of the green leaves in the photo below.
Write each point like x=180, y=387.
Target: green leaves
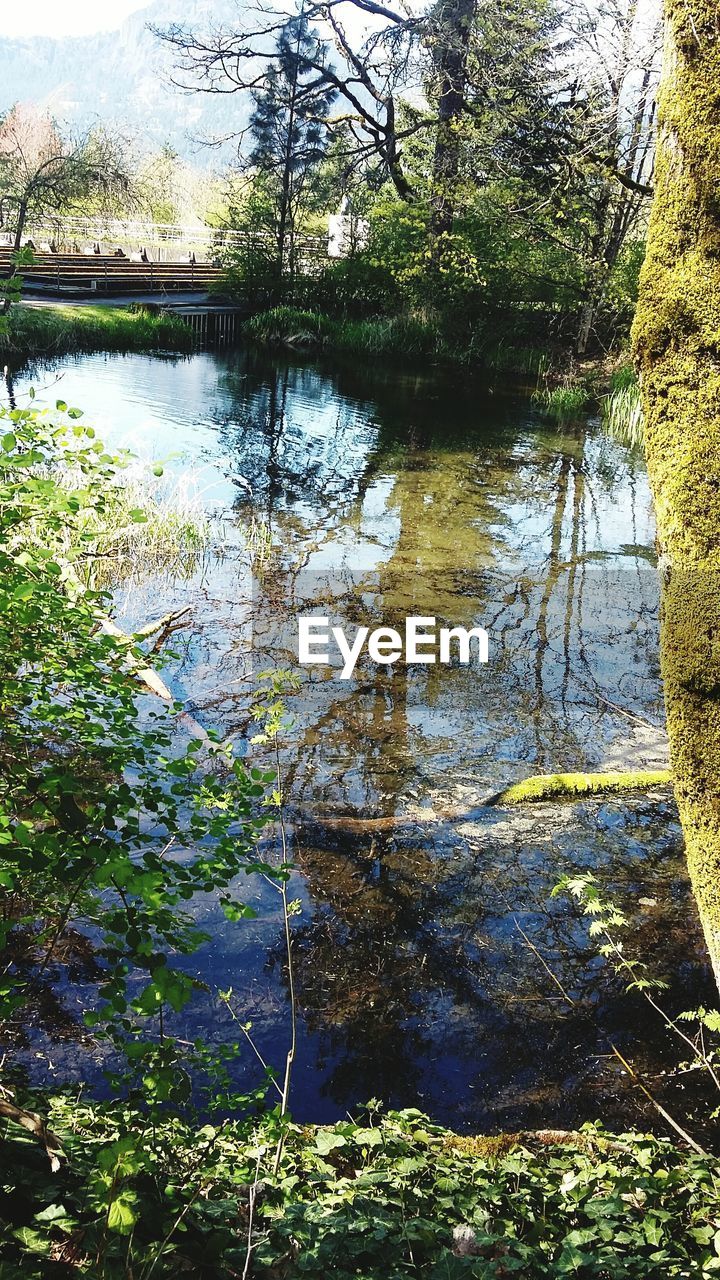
x=380, y=1201
x=327, y=1140
x=168, y=986
x=387, y=1206
x=92, y=795
x=122, y=1213
x=235, y=911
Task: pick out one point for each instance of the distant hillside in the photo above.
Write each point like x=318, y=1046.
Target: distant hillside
x=121, y=77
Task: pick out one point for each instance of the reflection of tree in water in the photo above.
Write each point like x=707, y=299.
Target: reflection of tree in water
x=293, y=442
x=493, y=534
x=46, y=1010
x=358, y=958
x=412, y=974
x=410, y=964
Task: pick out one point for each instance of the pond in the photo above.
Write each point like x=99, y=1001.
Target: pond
x=435, y=969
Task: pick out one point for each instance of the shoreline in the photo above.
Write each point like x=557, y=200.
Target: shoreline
x=61, y=329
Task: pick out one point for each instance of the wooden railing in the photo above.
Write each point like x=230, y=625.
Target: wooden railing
x=162, y=241
x=103, y=273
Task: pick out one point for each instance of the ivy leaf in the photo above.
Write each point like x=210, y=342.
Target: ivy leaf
x=34, y=1241
x=326, y=1141
x=121, y=1213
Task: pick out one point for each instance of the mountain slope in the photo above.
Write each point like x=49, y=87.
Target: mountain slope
x=121, y=77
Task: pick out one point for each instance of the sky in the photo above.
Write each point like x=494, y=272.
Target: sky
x=67, y=18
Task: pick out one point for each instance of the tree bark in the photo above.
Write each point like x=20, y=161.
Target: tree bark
x=285, y=182
x=7, y=298
x=20, y=225
x=454, y=22
x=677, y=346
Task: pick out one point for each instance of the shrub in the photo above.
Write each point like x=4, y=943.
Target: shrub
x=622, y=292
x=81, y=763
x=564, y=403
x=353, y=287
x=381, y=1197
x=252, y=273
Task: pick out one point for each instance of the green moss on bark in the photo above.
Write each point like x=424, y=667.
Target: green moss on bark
x=677, y=346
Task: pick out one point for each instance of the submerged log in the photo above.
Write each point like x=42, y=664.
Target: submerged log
x=539, y=787
x=145, y=674
x=549, y=786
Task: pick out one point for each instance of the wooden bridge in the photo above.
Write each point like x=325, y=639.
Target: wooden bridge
x=79, y=275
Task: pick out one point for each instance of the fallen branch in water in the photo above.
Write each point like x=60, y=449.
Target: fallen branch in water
x=35, y=1125
x=141, y=670
x=353, y=825
x=638, y=1080
x=162, y=624
x=145, y=674
x=541, y=786
x=546, y=786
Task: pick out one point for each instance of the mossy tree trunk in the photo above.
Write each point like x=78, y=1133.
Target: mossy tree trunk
x=677, y=345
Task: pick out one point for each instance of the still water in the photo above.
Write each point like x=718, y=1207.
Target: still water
x=434, y=967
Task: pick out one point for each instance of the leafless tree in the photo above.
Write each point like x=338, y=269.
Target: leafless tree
x=373, y=69
x=616, y=49
x=44, y=173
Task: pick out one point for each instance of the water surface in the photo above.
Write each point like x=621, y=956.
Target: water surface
x=434, y=967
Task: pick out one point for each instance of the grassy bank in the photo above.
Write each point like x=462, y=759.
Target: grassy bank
x=407, y=338
x=562, y=396
x=387, y=1197
x=62, y=330
x=610, y=388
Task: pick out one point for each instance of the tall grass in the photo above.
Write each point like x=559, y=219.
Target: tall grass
x=622, y=377
x=62, y=330
x=405, y=337
x=622, y=408
x=258, y=545
x=150, y=525
x=508, y=358
x=289, y=325
x=564, y=403
x=391, y=335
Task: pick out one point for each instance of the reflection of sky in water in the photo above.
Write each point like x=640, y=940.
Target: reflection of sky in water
x=416, y=493
x=322, y=445
x=395, y=500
